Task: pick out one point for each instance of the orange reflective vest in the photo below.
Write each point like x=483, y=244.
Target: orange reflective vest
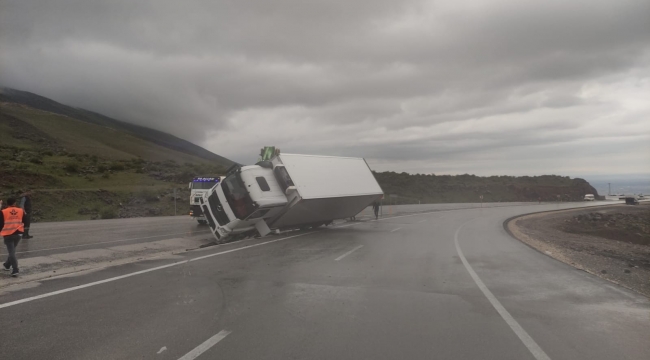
x=13, y=217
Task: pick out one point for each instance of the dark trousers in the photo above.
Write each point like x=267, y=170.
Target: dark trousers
x=11, y=242
x=27, y=220
x=376, y=208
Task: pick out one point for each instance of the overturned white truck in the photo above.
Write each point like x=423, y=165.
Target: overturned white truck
x=289, y=191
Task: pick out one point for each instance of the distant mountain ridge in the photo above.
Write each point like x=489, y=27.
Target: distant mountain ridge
x=155, y=136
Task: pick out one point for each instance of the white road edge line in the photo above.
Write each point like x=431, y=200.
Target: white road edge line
x=79, y=287
x=395, y=229
x=528, y=341
x=348, y=253
x=197, y=351
x=109, y=242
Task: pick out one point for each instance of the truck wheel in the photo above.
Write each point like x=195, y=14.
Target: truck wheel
x=202, y=222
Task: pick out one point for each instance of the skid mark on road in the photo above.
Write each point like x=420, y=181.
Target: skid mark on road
x=528, y=341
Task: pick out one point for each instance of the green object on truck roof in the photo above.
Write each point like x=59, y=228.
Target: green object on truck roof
x=267, y=153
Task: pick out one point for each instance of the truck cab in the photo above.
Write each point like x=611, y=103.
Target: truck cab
x=198, y=187
x=243, y=200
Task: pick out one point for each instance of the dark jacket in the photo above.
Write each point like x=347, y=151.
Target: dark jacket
x=26, y=204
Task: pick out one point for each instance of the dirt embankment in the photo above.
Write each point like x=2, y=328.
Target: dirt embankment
x=612, y=242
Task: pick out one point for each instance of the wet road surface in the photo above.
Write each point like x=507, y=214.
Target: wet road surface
x=442, y=283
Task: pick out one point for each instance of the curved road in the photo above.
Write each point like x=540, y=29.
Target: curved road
x=443, y=284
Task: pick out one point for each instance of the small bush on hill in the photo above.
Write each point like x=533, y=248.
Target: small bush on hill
x=148, y=195
x=108, y=213
x=71, y=167
x=117, y=167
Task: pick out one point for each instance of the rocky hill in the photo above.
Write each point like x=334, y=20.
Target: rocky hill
x=405, y=188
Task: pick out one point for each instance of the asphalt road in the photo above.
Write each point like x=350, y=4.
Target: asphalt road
x=69, y=236
x=444, y=284
x=62, y=237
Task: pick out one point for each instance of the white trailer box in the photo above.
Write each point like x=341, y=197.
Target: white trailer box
x=325, y=188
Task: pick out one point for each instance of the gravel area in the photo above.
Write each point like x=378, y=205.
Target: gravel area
x=612, y=242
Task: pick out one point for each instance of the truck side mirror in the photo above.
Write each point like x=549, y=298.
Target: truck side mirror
x=190, y=186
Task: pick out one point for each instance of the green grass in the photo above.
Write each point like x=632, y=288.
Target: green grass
x=80, y=137
x=81, y=170
x=7, y=139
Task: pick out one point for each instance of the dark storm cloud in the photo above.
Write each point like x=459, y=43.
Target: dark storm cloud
x=414, y=85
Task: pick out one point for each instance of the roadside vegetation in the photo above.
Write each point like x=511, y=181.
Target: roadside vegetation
x=86, y=171
x=404, y=188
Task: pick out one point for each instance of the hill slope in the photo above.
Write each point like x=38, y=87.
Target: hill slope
x=159, y=138
x=82, y=165
x=407, y=188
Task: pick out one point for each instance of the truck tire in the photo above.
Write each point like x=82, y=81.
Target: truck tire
x=202, y=222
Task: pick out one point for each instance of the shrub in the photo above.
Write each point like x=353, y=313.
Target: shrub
x=108, y=213
x=149, y=195
x=117, y=167
x=105, y=175
x=71, y=167
x=36, y=160
x=102, y=168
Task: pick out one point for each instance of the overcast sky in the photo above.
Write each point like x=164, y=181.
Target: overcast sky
x=445, y=87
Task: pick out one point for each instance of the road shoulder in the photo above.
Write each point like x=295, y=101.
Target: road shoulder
x=54, y=265
x=616, y=260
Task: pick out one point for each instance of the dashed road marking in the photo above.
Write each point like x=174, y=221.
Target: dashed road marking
x=205, y=346
x=348, y=253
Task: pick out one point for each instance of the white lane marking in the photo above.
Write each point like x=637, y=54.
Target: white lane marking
x=164, y=348
x=348, y=253
x=395, y=229
x=78, y=287
x=197, y=351
x=107, y=242
x=528, y=341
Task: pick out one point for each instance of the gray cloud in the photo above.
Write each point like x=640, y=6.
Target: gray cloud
x=485, y=87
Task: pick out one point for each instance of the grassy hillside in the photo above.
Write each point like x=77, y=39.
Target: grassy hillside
x=160, y=138
x=407, y=188
x=83, y=170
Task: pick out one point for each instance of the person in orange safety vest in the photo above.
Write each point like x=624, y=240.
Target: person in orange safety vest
x=12, y=226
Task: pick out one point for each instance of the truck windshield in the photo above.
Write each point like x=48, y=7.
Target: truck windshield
x=238, y=199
